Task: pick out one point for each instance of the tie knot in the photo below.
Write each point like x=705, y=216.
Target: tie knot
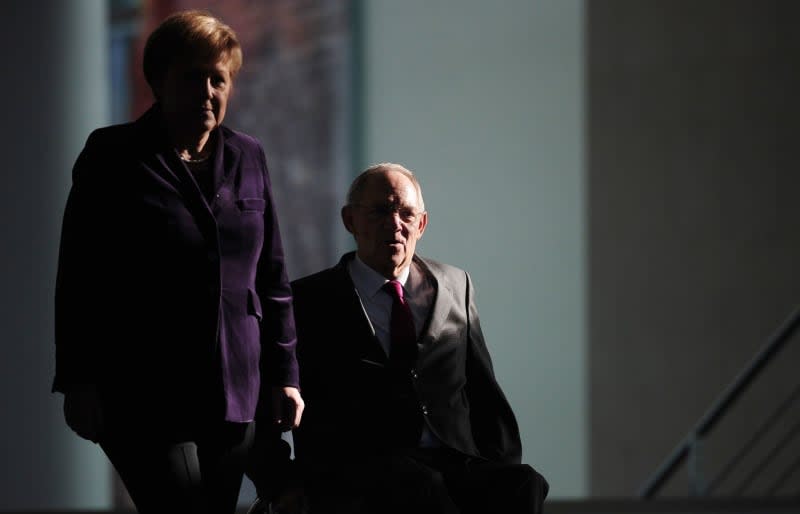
x=394, y=288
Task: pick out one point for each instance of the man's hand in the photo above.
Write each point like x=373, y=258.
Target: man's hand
x=287, y=407
x=83, y=413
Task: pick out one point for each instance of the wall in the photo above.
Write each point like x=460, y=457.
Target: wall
x=54, y=93
x=693, y=241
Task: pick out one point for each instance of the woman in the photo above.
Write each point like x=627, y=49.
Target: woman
x=174, y=323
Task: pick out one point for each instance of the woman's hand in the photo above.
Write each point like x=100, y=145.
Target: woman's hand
x=287, y=407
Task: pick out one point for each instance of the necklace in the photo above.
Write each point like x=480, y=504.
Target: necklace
x=202, y=157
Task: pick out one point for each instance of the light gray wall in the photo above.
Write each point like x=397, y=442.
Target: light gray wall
x=484, y=101
x=693, y=247
x=54, y=54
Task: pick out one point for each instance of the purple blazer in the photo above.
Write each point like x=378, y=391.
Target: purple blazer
x=175, y=304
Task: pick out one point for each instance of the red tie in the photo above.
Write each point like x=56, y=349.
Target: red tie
x=403, y=350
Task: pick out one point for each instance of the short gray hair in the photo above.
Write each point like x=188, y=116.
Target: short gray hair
x=360, y=181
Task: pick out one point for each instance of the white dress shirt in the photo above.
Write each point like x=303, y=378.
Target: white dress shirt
x=418, y=291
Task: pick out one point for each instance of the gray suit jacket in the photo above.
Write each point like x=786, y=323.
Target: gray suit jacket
x=345, y=384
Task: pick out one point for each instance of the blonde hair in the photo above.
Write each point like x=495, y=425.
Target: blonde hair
x=189, y=34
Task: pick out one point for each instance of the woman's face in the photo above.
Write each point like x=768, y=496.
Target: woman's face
x=194, y=96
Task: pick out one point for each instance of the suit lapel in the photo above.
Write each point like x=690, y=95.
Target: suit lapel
x=188, y=188
x=170, y=168
x=226, y=161
x=161, y=159
x=440, y=310
x=157, y=156
x=354, y=316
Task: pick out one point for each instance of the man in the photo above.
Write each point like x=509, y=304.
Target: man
x=402, y=407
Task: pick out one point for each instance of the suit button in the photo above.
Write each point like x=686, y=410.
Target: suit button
x=414, y=374
x=424, y=409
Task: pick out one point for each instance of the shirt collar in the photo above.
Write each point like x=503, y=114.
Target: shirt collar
x=370, y=281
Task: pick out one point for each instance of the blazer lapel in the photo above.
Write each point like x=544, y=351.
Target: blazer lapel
x=190, y=190
x=440, y=311
x=349, y=303
x=226, y=161
x=163, y=161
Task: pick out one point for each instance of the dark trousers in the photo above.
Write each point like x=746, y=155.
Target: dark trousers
x=437, y=481
x=197, y=471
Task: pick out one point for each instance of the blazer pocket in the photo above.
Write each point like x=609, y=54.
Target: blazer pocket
x=251, y=204
x=254, y=304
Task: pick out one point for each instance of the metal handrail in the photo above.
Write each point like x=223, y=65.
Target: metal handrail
x=788, y=472
x=776, y=450
x=721, y=405
x=767, y=425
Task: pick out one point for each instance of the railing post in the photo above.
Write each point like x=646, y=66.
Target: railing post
x=697, y=486
x=690, y=445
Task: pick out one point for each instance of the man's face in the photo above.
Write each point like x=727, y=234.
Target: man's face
x=386, y=222
x=194, y=95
